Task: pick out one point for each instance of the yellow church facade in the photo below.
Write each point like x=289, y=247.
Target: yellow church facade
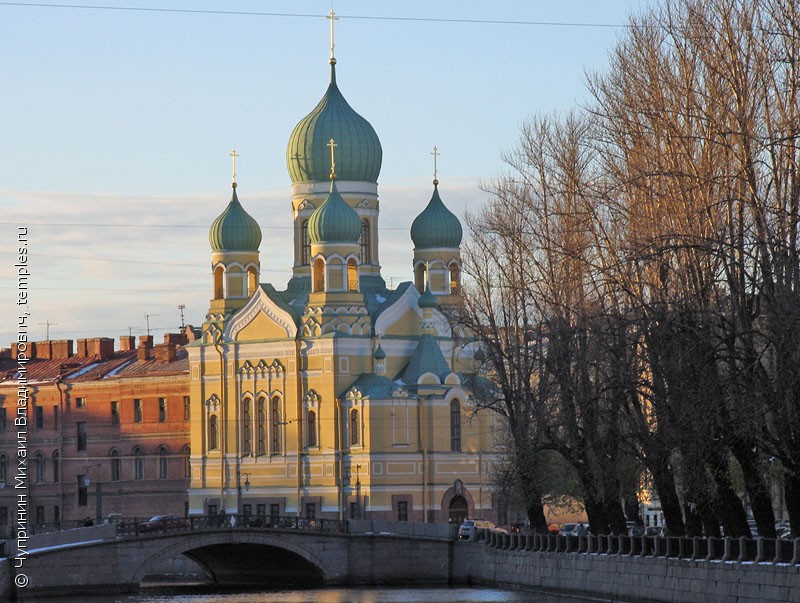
x=337, y=397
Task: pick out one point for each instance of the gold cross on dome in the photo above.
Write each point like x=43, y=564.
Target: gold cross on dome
x=332, y=17
x=332, y=146
x=435, y=155
x=234, y=154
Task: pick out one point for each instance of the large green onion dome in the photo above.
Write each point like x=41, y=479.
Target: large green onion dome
x=436, y=226
x=334, y=221
x=308, y=157
x=234, y=229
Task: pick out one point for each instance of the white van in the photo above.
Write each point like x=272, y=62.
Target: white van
x=469, y=529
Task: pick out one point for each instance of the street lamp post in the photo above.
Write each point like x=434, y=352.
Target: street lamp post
x=358, y=492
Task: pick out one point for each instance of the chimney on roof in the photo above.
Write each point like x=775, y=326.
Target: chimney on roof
x=145, y=345
x=175, y=338
x=26, y=350
x=165, y=352
x=61, y=348
x=43, y=349
x=127, y=343
x=102, y=347
x=191, y=333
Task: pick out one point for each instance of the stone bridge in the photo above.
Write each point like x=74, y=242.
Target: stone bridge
x=237, y=557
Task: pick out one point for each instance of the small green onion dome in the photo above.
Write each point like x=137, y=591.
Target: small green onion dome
x=334, y=221
x=436, y=226
x=427, y=299
x=379, y=354
x=234, y=229
x=308, y=156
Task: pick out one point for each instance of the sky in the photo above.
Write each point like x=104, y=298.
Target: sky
x=117, y=126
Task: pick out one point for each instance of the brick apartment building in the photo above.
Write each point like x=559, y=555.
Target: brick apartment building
x=107, y=429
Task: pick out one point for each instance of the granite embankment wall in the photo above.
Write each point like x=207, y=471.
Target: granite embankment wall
x=627, y=578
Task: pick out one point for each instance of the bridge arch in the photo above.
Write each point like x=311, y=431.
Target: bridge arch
x=200, y=548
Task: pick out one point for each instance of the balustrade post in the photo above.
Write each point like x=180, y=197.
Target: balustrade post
x=759, y=550
x=796, y=552
x=726, y=554
x=742, y=549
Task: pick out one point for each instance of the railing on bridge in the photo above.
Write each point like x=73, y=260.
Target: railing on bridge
x=131, y=527
x=758, y=550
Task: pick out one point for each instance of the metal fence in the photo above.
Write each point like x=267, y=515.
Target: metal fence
x=758, y=550
x=131, y=527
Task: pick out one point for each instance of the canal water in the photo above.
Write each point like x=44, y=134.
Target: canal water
x=332, y=595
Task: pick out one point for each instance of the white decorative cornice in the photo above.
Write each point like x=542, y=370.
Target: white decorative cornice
x=406, y=302
x=260, y=302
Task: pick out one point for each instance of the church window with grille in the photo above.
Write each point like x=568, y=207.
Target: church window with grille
x=276, y=425
x=354, y=427
x=311, y=428
x=246, y=428
x=455, y=426
x=365, y=246
x=305, y=244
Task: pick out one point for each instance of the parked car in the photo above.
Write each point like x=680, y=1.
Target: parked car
x=568, y=529
x=468, y=530
x=162, y=523
x=655, y=531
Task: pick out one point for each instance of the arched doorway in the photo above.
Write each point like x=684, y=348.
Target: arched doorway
x=457, y=510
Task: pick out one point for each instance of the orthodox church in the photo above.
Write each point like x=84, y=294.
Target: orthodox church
x=337, y=397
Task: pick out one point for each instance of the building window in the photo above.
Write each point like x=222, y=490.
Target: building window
x=81, y=428
x=80, y=402
x=3, y=469
x=274, y=513
x=39, y=515
x=38, y=468
x=419, y=277
x=262, y=426
x=247, y=426
x=56, y=466
x=138, y=464
x=163, y=463
x=352, y=275
x=55, y=416
x=364, y=247
x=354, y=427
x=116, y=465
x=2, y=419
x=252, y=281
x=137, y=411
x=115, y=413
x=247, y=510
x=318, y=275
x=187, y=408
x=83, y=490
x=187, y=462
x=305, y=246
x=219, y=279
x=3, y=516
x=311, y=510
x=311, y=428
x=455, y=278
x=57, y=515
x=275, y=413
x=162, y=409
x=353, y=510
x=39, y=414
x=402, y=510
x=212, y=432
x=455, y=426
